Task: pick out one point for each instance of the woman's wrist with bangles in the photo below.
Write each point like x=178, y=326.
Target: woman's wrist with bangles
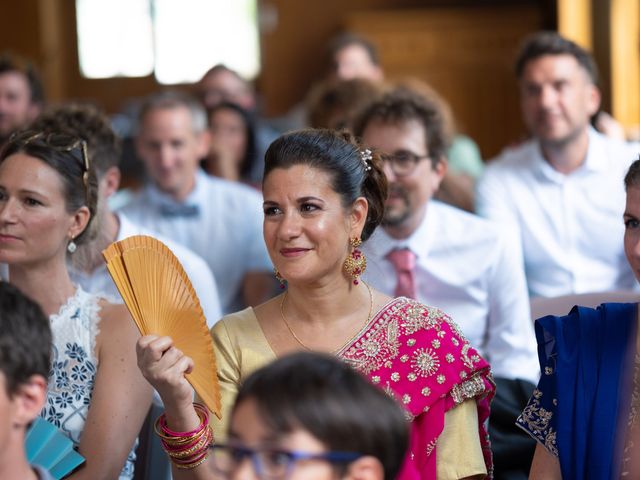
x=183, y=417
x=190, y=448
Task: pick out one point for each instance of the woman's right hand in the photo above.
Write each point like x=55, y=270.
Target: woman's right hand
x=164, y=367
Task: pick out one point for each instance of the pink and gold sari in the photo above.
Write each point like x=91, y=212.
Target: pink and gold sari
x=418, y=356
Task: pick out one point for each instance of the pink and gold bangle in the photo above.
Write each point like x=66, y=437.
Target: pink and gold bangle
x=186, y=449
x=196, y=458
x=191, y=449
x=165, y=431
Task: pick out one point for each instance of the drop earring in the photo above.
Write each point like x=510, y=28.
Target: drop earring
x=356, y=262
x=279, y=278
x=71, y=246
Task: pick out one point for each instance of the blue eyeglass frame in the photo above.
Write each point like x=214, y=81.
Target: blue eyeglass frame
x=293, y=456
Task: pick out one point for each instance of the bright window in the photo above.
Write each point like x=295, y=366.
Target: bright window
x=176, y=40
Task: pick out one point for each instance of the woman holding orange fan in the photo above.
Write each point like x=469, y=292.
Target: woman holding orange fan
x=97, y=397
x=323, y=196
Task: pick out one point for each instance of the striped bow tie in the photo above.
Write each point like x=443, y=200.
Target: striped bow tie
x=184, y=211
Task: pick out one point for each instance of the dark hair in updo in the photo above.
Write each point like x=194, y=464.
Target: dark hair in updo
x=48, y=147
x=340, y=156
x=632, y=178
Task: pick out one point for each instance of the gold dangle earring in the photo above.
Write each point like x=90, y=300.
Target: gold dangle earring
x=279, y=278
x=356, y=262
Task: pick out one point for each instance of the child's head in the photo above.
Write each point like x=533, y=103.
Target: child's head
x=309, y=403
x=25, y=351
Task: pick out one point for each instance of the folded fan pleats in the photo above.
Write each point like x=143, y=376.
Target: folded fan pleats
x=162, y=301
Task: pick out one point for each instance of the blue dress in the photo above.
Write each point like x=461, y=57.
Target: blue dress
x=580, y=409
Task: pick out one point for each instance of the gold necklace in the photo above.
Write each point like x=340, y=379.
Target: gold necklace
x=297, y=339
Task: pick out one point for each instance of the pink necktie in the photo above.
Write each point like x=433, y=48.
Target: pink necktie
x=404, y=261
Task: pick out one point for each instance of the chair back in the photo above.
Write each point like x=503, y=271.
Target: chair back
x=541, y=306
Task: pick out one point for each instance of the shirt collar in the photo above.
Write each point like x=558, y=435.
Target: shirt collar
x=158, y=197
x=126, y=227
x=419, y=242
x=595, y=161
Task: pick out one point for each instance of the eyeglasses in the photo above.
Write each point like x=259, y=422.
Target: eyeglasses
x=269, y=464
x=59, y=141
x=403, y=162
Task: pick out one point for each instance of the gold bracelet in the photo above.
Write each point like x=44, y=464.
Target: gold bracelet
x=188, y=437
x=202, y=442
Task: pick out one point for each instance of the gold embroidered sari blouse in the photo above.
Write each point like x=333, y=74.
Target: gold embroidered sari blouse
x=241, y=348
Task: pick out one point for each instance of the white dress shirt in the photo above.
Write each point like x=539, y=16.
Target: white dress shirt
x=99, y=281
x=226, y=230
x=468, y=269
x=570, y=226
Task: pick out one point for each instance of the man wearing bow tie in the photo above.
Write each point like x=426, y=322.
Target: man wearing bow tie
x=86, y=266
x=218, y=219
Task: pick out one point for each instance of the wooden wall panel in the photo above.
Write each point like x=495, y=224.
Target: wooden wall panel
x=616, y=48
x=110, y=93
x=575, y=21
x=20, y=31
x=293, y=41
x=293, y=51
x=466, y=54
x=294, y=48
x=45, y=32
x=625, y=62
x=21, y=35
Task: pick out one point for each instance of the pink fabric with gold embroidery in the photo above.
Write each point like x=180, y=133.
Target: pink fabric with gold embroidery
x=418, y=355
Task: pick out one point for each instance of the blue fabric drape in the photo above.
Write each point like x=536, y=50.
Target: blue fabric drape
x=587, y=362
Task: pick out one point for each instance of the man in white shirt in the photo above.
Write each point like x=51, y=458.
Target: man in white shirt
x=218, y=219
x=87, y=267
x=462, y=264
x=562, y=191
x=451, y=259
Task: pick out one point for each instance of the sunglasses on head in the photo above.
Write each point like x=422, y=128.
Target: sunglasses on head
x=61, y=142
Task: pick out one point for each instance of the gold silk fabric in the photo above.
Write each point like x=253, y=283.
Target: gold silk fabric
x=241, y=348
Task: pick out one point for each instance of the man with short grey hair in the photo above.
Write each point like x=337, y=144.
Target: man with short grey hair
x=86, y=266
x=218, y=219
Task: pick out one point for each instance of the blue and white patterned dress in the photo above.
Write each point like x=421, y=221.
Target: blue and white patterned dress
x=74, y=366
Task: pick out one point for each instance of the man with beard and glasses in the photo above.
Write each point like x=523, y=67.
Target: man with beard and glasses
x=448, y=258
x=562, y=191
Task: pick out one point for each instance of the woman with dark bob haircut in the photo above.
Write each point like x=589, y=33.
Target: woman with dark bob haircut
x=97, y=397
x=232, y=151
x=313, y=401
x=323, y=196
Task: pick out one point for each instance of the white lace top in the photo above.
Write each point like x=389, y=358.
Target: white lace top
x=74, y=366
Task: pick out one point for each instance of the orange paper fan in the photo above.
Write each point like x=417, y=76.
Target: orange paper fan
x=162, y=301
